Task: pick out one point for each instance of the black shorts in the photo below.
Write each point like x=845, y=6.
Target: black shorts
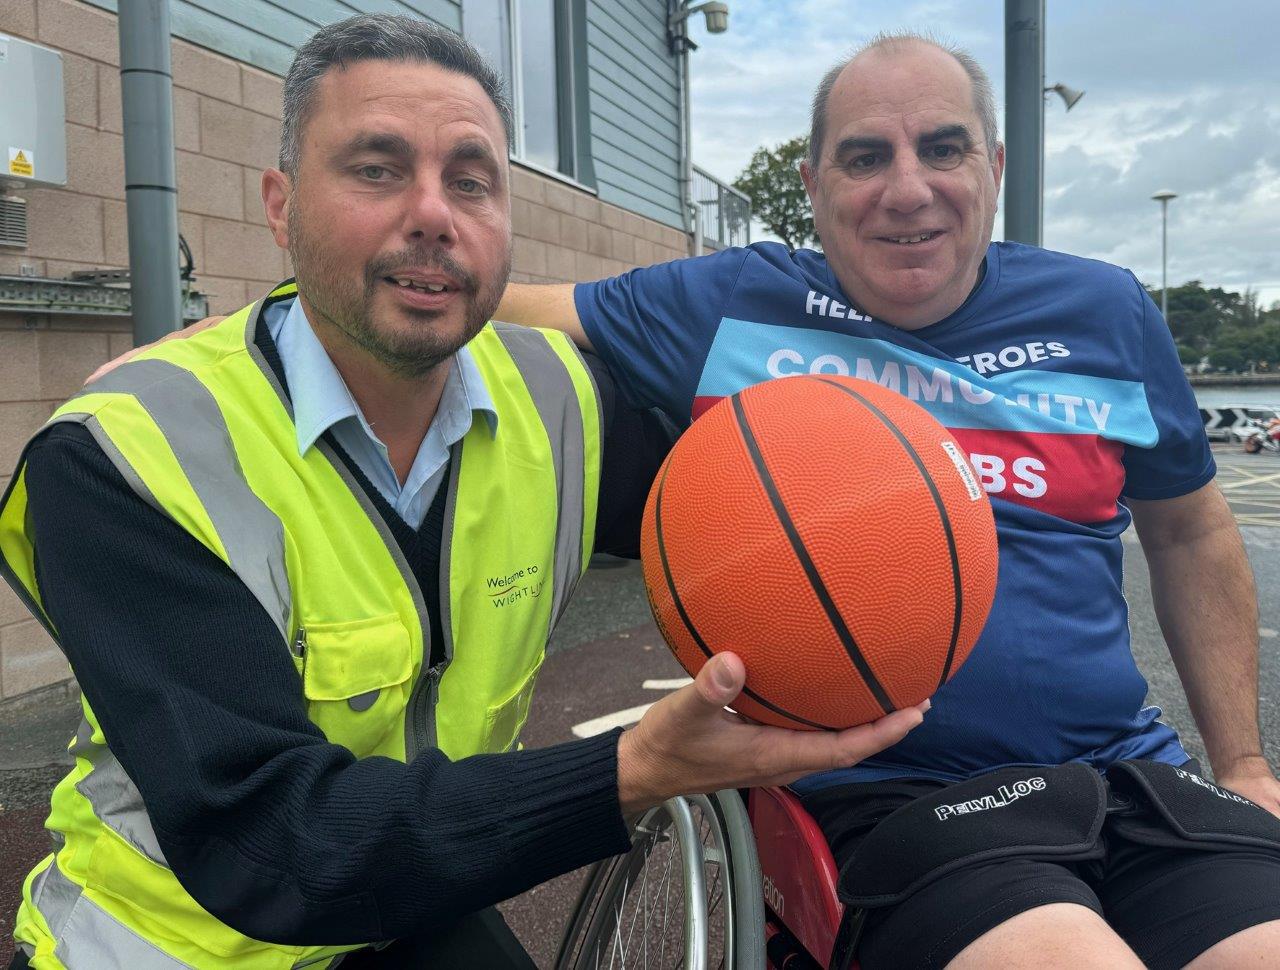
x=1170, y=904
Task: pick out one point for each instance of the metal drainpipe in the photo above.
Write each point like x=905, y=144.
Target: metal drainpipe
x=151, y=193
x=691, y=208
x=681, y=32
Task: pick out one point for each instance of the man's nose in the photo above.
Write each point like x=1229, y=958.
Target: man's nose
x=907, y=188
x=429, y=216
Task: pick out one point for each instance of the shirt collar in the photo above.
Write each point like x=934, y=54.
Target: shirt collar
x=319, y=394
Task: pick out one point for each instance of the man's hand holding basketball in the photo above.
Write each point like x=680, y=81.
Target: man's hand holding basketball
x=688, y=744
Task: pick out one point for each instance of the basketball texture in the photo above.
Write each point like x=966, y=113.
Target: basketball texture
x=832, y=534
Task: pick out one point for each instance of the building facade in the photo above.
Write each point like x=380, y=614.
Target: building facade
x=595, y=179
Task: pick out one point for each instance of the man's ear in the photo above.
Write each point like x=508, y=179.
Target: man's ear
x=997, y=165
x=277, y=190
x=807, y=176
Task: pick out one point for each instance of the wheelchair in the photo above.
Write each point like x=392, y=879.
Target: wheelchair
x=736, y=880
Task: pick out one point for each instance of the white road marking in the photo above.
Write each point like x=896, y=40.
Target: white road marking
x=598, y=725
x=1250, y=480
x=674, y=684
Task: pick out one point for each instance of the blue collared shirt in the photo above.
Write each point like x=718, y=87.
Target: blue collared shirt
x=322, y=401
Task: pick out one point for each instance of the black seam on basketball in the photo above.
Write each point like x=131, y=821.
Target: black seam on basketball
x=942, y=512
x=842, y=630
x=688, y=623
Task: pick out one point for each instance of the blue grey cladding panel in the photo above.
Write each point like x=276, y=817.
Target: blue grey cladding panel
x=265, y=33
x=635, y=114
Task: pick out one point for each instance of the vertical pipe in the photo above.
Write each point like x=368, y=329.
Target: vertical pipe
x=1164, y=259
x=686, y=145
x=721, y=198
x=151, y=193
x=1024, y=120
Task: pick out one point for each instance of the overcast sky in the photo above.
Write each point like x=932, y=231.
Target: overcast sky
x=1180, y=95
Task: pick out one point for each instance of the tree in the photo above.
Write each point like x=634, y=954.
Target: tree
x=778, y=198
x=1189, y=356
x=1228, y=358
x=1231, y=329
x=1199, y=317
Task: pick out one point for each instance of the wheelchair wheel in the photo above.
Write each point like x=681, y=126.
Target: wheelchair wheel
x=688, y=894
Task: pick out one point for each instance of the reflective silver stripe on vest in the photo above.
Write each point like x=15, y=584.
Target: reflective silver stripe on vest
x=87, y=935
x=556, y=399
x=112, y=451
x=189, y=418
x=114, y=797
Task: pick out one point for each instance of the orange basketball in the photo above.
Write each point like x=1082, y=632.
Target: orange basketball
x=832, y=534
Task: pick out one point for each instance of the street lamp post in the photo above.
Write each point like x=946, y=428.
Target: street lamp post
x=1163, y=197
x=1024, y=92
x=1024, y=120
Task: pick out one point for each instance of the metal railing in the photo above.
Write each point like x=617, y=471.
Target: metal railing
x=726, y=212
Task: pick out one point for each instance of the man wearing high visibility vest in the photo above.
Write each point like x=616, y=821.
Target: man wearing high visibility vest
x=281, y=558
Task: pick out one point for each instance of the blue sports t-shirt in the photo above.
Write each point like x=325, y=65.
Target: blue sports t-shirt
x=1060, y=379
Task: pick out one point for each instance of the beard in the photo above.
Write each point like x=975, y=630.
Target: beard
x=349, y=306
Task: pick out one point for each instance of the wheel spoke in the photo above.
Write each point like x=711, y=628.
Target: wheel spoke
x=666, y=905
x=643, y=893
x=631, y=928
x=617, y=925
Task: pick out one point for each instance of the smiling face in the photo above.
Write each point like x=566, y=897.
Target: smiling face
x=904, y=195
x=398, y=218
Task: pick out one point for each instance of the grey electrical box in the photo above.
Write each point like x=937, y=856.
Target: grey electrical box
x=33, y=132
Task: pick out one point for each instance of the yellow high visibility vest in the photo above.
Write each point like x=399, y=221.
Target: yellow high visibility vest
x=202, y=429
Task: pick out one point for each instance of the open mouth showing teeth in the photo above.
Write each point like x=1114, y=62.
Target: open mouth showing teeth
x=912, y=240
x=414, y=284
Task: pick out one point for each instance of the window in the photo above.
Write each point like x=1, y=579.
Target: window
x=531, y=44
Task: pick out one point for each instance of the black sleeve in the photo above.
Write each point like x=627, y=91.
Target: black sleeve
x=278, y=833
x=636, y=443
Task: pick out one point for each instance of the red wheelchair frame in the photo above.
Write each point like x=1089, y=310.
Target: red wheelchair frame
x=804, y=915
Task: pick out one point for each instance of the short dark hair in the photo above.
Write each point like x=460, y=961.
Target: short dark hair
x=984, y=100
x=378, y=37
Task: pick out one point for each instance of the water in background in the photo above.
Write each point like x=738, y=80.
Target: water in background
x=1252, y=395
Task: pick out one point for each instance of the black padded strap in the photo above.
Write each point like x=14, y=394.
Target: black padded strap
x=1050, y=812
x=1177, y=808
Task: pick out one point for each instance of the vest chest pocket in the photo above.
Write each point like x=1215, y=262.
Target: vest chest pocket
x=356, y=677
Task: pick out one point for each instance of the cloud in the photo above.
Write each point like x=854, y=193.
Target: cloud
x=1216, y=148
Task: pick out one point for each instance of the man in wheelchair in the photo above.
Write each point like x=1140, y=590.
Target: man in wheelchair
x=1041, y=816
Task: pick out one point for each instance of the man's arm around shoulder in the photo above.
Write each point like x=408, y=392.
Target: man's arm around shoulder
x=548, y=305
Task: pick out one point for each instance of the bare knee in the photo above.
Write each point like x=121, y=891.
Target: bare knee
x=1064, y=935
x=1255, y=947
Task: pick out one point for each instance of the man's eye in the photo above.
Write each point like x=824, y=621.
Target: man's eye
x=942, y=156
x=864, y=162
x=469, y=186
x=374, y=173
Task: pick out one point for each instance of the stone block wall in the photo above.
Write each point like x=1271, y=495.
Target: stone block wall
x=226, y=130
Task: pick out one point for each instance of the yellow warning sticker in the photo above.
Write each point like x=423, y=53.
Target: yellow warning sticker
x=22, y=162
